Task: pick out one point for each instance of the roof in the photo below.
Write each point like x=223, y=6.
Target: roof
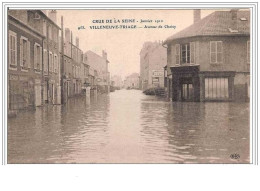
x=219, y=23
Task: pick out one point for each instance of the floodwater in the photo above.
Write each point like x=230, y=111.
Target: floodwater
x=127, y=126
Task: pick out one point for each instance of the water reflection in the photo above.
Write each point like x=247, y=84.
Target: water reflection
x=127, y=126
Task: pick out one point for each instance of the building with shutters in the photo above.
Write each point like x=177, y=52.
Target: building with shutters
x=33, y=59
x=210, y=60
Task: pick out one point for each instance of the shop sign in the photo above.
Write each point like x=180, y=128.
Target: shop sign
x=157, y=73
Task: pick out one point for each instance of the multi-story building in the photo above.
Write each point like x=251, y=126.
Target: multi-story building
x=77, y=60
x=32, y=35
x=132, y=81
x=98, y=71
x=153, y=59
x=210, y=60
x=73, y=67
x=51, y=63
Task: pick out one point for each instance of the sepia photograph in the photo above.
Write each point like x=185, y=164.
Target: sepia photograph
x=128, y=86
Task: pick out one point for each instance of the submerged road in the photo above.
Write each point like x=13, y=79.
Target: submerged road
x=127, y=126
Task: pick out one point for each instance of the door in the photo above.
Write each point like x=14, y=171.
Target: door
x=187, y=92
x=38, y=96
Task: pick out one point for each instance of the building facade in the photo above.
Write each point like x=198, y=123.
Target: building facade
x=30, y=81
x=98, y=70
x=153, y=59
x=132, y=81
x=210, y=60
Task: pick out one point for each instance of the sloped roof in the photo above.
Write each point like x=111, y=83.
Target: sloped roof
x=219, y=23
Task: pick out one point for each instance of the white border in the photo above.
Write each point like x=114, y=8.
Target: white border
x=136, y=177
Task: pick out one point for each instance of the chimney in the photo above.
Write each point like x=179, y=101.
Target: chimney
x=53, y=15
x=77, y=42
x=234, y=14
x=67, y=35
x=196, y=15
x=104, y=54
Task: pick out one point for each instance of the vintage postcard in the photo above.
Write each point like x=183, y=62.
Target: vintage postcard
x=129, y=85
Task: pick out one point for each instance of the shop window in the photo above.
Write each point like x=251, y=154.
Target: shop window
x=216, y=88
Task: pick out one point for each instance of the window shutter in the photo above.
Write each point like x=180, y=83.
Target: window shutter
x=28, y=54
x=192, y=52
x=21, y=51
x=49, y=61
x=213, y=50
x=177, y=50
x=9, y=50
x=35, y=56
x=219, y=52
x=41, y=58
x=15, y=47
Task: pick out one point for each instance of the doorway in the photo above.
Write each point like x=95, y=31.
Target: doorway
x=187, y=89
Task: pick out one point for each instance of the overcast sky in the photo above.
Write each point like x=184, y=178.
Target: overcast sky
x=123, y=45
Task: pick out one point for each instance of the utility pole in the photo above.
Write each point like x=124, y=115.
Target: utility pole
x=62, y=62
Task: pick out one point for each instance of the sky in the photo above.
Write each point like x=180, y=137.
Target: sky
x=124, y=45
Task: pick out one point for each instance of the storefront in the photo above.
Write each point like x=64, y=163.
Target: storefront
x=190, y=84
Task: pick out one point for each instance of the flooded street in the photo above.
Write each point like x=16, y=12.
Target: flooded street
x=127, y=126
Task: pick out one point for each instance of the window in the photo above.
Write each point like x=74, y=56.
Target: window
x=55, y=34
x=45, y=61
x=12, y=49
x=55, y=63
x=37, y=57
x=44, y=28
x=50, y=32
x=50, y=62
x=185, y=53
x=216, y=52
x=177, y=54
x=24, y=53
x=65, y=67
x=248, y=51
x=192, y=52
x=216, y=88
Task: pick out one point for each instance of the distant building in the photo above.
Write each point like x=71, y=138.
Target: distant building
x=116, y=81
x=99, y=74
x=210, y=60
x=132, y=81
x=153, y=59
